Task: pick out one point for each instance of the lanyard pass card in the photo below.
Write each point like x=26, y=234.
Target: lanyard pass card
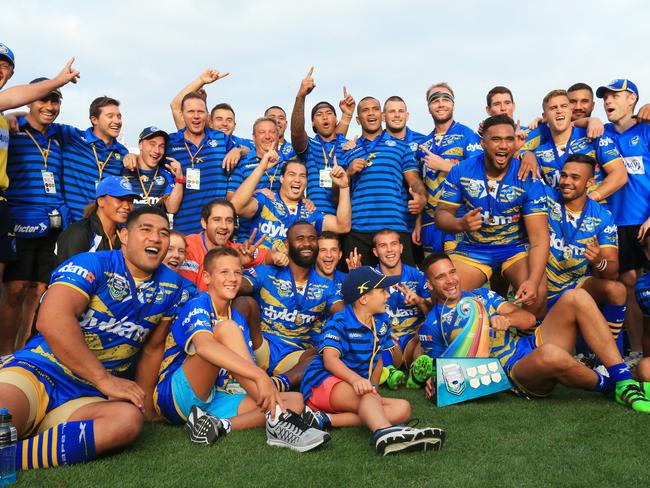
x=193, y=179
x=325, y=178
x=48, y=181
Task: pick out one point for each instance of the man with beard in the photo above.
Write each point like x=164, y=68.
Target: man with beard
x=448, y=143
x=218, y=223
x=535, y=363
x=505, y=224
x=582, y=101
x=584, y=244
x=67, y=390
x=288, y=303
x=321, y=151
x=565, y=140
x=273, y=216
x=159, y=187
x=381, y=166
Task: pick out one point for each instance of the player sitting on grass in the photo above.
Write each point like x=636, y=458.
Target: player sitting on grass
x=534, y=363
x=340, y=383
x=208, y=341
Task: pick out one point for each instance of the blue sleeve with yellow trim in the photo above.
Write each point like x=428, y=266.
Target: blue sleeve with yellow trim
x=80, y=272
x=192, y=318
x=607, y=233
x=535, y=201
x=451, y=188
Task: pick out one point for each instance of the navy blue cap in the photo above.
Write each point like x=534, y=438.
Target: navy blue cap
x=617, y=86
x=115, y=186
x=7, y=54
x=364, y=279
x=149, y=132
x=56, y=91
x=320, y=105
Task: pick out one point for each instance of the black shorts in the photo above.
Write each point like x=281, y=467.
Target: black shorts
x=630, y=252
x=35, y=259
x=7, y=240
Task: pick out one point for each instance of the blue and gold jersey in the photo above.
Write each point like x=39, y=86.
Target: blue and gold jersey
x=504, y=202
x=121, y=311
x=360, y=346
x=291, y=311
x=443, y=324
x=536, y=137
x=551, y=160
x=457, y=144
x=405, y=320
x=274, y=217
x=383, y=177
x=566, y=259
x=285, y=151
x=630, y=205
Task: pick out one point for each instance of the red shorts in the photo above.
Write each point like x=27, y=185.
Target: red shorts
x=320, y=395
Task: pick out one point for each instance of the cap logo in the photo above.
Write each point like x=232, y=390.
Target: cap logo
x=153, y=129
x=125, y=184
x=363, y=287
x=3, y=49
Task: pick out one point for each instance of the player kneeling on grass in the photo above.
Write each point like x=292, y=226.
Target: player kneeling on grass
x=210, y=340
x=535, y=363
x=340, y=383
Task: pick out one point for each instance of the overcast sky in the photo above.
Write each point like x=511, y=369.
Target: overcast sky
x=142, y=53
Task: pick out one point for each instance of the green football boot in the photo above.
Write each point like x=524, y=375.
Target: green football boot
x=629, y=393
x=396, y=378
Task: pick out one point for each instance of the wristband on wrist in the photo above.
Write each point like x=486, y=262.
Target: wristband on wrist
x=602, y=265
x=180, y=180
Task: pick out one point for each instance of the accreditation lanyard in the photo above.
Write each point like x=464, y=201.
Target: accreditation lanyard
x=146, y=192
x=44, y=153
x=441, y=318
x=272, y=177
x=193, y=156
x=376, y=347
x=369, y=148
x=567, y=234
x=327, y=157
x=101, y=166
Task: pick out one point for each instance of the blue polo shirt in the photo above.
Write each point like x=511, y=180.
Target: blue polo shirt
x=30, y=201
x=413, y=139
x=207, y=158
x=360, y=346
x=383, y=178
x=87, y=159
x=286, y=152
x=631, y=204
x=319, y=155
x=242, y=142
x=151, y=184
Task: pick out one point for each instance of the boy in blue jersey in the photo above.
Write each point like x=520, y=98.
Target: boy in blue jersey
x=342, y=379
x=505, y=224
x=101, y=311
x=202, y=153
x=38, y=214
x=288, y=306
x=158, y=186
x=406, y=307
x=631, y=204
x=584, y=243
x=208, y=343
x=320, y=151
x=381, y=165
x=534, y=363
x=448, y=143
x=565, y=140
x=273, y=216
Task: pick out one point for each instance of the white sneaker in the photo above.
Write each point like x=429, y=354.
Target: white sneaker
x=290, y=430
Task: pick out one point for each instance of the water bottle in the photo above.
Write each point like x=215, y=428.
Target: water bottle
x=8, y=439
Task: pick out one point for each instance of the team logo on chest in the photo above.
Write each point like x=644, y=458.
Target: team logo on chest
x=212, y=143
x=118, y=287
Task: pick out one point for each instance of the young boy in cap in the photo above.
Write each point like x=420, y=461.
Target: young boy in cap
x=340, y=383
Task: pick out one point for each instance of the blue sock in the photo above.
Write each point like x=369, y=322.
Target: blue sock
x=614, y=315
x=387, y=357
x=619, y=372
x=604, y=384
x=66, y=443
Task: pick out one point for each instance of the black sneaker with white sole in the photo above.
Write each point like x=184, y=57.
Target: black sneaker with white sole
x=399, y=439
x=290, y=430
x=203, y=428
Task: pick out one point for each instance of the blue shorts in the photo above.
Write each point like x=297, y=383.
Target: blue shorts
x=525, y=345
x=402, y=341
x=174, y=398
x=642, y=292
x=278, y=355
x=553, y=297
x=489, y=257
x=435, y=240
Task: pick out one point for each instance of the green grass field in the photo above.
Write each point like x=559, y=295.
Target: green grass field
x=573, y=438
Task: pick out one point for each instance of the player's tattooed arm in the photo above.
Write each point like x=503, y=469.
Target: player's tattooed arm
x=299, y=138
x=417, y=191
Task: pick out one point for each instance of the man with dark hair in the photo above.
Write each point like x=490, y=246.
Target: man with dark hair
x=381, y=165
x=631, y=204
x=582, y=101
x=289, y=305
x=329, y=255
x=584, y=245
x=67, y=389
x=534, y=363
x=505, y=225
x=324, y=149
x=272, y=217
x=448, y=143
x=565, y=140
